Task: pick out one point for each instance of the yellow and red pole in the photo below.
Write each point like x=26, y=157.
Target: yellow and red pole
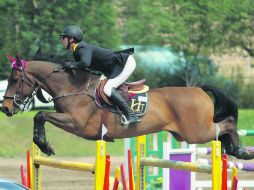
x=216, y=165
x=130, y=168
x=100, y=164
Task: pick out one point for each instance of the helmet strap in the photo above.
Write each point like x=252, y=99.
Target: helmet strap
x=69, y=43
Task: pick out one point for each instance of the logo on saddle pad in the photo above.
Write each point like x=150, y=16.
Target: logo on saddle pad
x=138, y=103
x=134, y=93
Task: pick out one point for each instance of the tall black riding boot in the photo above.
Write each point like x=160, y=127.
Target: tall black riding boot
x=119, y=101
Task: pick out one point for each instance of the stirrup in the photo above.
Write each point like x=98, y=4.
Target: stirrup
x=125, y=122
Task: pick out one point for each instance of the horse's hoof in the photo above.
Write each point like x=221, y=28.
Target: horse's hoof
x=242, y=153
x=50, y=150
x=45, y=147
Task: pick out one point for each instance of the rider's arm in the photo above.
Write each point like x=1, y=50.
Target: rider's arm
x=85, y=54
x=85, y=57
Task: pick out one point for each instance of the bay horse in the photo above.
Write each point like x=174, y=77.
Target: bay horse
x=187, y=112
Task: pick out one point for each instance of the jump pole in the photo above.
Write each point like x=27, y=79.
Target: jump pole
x=143, y=161
x=141, y=152
x=100, y=164
x=171, y=177
x=98, y=168
x=216, y=165
x=36, y=171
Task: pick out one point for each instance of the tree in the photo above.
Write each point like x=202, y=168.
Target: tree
x=195, y=28
x=38, y=23
x=237, y=25
x=187, y=26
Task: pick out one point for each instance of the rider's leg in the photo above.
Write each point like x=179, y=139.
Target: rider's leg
x=122, y=77
x=115, y=97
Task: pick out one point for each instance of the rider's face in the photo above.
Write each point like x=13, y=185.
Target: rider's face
x=64, y=41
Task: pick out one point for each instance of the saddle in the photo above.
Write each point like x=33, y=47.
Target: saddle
x=135, y=94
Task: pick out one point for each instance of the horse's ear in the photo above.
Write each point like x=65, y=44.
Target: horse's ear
x=12, y=59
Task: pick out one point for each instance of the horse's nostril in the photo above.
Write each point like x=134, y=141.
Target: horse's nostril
x=5, y=110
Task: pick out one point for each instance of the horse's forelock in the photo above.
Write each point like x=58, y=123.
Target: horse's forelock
x=18, y=60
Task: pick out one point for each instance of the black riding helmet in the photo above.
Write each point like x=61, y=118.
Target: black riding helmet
x=73, y=31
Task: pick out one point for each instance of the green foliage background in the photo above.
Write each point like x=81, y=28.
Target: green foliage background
x=28, y=25
x=191, y=27
x=196, y=29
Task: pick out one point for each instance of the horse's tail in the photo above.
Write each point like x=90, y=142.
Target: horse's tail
x=223, y=104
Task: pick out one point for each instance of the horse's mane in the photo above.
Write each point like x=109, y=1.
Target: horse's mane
x=41, y=55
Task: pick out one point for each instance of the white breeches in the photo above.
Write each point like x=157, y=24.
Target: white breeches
x=122, y=77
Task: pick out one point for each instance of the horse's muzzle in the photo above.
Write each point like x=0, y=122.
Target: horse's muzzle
x=8, y=107
x=7, y=112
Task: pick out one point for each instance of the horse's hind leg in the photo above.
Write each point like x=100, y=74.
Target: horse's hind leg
x=230, y=139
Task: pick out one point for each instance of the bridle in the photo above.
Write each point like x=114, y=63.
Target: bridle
x=22, y=103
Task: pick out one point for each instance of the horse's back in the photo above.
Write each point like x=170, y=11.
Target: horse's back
x=186, y=95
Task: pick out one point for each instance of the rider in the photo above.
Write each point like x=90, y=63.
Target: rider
x=116, y=66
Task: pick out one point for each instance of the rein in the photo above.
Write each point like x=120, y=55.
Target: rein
x=84, y=92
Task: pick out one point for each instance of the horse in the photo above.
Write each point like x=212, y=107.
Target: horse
x=188, y=113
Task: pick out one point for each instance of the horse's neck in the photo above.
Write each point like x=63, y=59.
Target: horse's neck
x=59, y=83
x=40, y=72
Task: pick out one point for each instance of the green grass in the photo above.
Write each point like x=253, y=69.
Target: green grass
x=246, y=121
x=16, y=137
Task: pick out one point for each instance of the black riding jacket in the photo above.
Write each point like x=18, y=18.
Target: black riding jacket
x=107, y=61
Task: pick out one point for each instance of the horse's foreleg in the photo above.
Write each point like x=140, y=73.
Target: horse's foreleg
x=39, y=136
x=61, y=120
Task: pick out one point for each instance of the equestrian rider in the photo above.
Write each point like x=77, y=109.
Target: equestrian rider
x=116, y=66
